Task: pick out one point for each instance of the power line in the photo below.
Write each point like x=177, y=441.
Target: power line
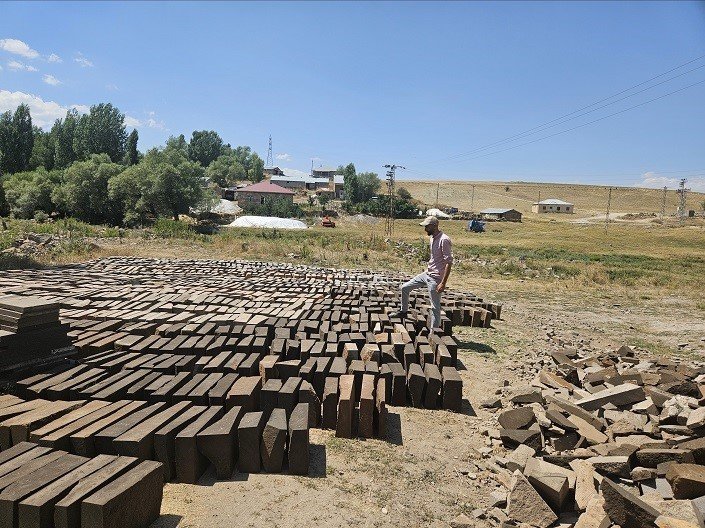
x=389, y=225
x=586, y=124
x=567, y=117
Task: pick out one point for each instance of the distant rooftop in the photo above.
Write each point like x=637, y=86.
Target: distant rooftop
x=552, y=201
x=325, y=169
x=266, y=187
x=494, y=210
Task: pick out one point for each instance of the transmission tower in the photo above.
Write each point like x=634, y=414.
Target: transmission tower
x=269, y=162
x=682, y=192
x=391, y=170
x=663, y=207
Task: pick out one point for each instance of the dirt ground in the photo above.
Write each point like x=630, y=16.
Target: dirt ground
x=435, y=464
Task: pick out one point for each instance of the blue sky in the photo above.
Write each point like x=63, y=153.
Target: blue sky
x=418, y=84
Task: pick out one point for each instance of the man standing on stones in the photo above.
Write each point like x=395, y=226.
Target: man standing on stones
x=436, y=275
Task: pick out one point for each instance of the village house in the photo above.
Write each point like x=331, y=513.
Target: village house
x=261, y=193
x=552, y=205
x=499, y=214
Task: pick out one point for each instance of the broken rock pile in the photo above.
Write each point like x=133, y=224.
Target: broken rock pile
x=605, y=440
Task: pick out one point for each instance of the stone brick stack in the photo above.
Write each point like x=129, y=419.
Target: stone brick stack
x=29, y=330
x=41, y=487
x=606, y=439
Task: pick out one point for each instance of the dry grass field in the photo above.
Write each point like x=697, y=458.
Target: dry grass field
x=588, y=199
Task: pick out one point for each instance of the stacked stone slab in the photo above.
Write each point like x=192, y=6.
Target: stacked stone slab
x=42, y=487
x=606, y=439
x=30, y=330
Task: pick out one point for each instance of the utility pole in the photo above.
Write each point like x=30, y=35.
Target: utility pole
x=391, y=170
x=539, y=195
x=607, y=214
x=269, y=162
x=663, y=207
x=438, y=188
x=472, y=200
x=682, y=192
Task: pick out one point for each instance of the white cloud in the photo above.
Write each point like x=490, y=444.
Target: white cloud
x=82, y=61
x=111, y=87
x=656, y=181
x=44, y=113
x=283, y=156
x=17, y=65
x=18, y=48
x=132, y=122
x=294, y=172
x=50, y=79
x=150, y=122
x=54, y=58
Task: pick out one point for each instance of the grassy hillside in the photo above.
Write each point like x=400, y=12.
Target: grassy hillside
x=588, y=199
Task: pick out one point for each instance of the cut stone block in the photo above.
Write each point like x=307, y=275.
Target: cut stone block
x=37, y=510
x=273, y=444
x=515, y=437
x=380, y=418
x=367, y=407
x=617, y=466
x=249, y=432
x=218, y=442
x=164, y=451
x=346, y=405
x=245, y=393
x=67, y=512
x=25, y=486
x=416, y=382
x=452, y=389
x=189, y=461
x=298, y=448
x=330, y=404
x=132, y=500
x=434, y=383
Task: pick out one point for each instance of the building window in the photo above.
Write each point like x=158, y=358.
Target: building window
x=261, y=200
x=558, y=208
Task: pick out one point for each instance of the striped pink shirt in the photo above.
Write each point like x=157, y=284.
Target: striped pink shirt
x=441, y=255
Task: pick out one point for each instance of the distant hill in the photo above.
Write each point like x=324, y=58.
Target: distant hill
x=588, y=199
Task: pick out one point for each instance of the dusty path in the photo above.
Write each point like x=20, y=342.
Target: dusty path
x=433, y=467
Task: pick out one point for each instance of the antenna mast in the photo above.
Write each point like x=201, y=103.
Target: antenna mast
x=269, y=162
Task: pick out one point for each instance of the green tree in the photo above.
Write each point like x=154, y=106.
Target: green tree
x=205, y=147
x=84, y=191
x=367, y=186
x=29, y=192
x=403, y=193
x=256, y=171
x=16, y=140
x=225, y=170
x=350, y=185
x=43, y=150
x=24, y=136
x=7, y=143
x=132, y=156
x=177, y=143
x=101, y=131
x=64, y=132
x=164, y=183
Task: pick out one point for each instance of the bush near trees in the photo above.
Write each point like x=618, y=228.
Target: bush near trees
x=281, y=208
x=31, y=191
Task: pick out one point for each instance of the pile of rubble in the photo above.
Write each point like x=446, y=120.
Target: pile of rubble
x=601, y=440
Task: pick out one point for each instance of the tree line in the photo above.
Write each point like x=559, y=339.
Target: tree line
x=88, y=167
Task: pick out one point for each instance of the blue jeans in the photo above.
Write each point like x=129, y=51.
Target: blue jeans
x=421, y=280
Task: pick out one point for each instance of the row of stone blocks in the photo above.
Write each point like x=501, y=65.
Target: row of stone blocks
x=184, y=437
x=42, y=487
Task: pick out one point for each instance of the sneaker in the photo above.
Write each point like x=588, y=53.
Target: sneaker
x=396, y=314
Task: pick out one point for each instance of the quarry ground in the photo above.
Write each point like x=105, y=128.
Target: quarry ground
x=431, y=468
x=637, y=283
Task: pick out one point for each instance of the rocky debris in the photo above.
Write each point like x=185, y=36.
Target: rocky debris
x=602, y=439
